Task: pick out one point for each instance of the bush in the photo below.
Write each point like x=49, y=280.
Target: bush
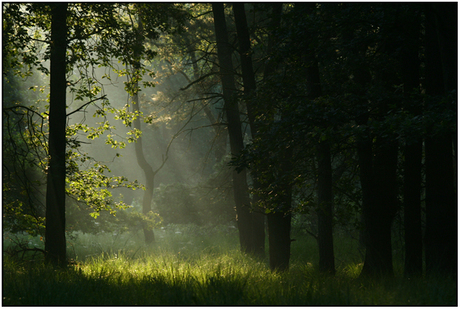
x=130, y=219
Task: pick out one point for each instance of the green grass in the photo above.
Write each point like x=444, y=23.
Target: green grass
x=203, y=267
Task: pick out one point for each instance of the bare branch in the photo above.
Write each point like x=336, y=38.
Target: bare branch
x=199, y=79
x=86, y=104
x=12, y=108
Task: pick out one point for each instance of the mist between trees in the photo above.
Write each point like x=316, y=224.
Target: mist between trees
x=329, y=120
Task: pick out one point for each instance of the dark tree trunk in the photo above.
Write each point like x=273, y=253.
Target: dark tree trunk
x=240, y=187
x=378, y=163
x=410, y=65
x=244, y=43
x=276, y=13
x=366, y=176
x=412, y=209
x=249, y=82
x=278, y=223
x=378, y=184
x=323, y=154
x=325, y=209
x=279, y=240
x=55, y=241
x=441, y=210
x=279, y=220
x=149, y=236
x=378, y=216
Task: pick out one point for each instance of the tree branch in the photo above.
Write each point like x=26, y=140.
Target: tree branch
x=86, y=104
x=24, y=107
x=198, y=80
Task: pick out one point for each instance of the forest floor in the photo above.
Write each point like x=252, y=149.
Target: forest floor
x=189, y=265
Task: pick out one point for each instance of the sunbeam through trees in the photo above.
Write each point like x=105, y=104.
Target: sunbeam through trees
x=229, y=153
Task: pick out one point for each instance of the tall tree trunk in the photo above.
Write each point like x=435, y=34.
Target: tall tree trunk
x=276, y=14
x=279, y=220
x=410, y=65
x=379, y=215
x=279, y=240
x=249, y=82
x=441, y=210
x=412, y=209
x=55, y=241
x=323, y=154
x=240, y=187
x=325, y=209
x=149, y=236
x=378, y=163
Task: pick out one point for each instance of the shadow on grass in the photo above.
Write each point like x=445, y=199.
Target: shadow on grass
x=222, y=284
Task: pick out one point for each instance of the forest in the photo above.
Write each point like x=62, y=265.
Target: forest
x=229, y=153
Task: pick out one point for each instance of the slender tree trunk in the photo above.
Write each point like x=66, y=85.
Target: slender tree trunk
x=244, y=43
x=276, y=14
x=410, y=66
x=325, y=209
x=240, y=187
x=412, y=209
x=323, y=154
x=279, y=220
x=149, y=236
x=55, y=241
x=148, y=173
x=441, y=208
x=249, y=82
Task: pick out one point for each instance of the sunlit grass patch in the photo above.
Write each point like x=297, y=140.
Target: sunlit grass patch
x=209, y=271
x=351, y=270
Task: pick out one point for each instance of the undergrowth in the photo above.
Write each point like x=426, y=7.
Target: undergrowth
x=189, y=265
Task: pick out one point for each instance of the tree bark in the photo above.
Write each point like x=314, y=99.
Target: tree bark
x=55, y=240
x=276, y=14
x=378, y=163
x=412, y=209
x=441, y=210
x=323, y=154
x=325, y=209
x=249, y=82
x=240, y=187
x=410, y=65
x=378, y=216
x=149, y=236
x=279, y=220
x=279, y=240
x=244, y=43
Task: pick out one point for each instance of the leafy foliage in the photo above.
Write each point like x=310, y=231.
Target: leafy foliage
x=99, y=36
